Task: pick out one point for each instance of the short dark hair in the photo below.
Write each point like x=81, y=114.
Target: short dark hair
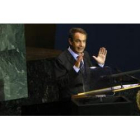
x=72, y=31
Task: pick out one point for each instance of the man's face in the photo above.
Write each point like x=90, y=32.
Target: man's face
x=78, y=43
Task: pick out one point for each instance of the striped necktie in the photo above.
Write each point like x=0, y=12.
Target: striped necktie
x=82, y=67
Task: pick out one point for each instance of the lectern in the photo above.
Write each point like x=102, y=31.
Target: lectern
x=115, y=105
x=104, y=101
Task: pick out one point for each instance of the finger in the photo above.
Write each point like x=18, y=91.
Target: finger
x=94, y=57
x=104, y=50
x=80, y=57
x=100, y=51
x=82, y=54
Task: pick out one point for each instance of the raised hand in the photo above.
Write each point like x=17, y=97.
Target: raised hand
x=79, y=59
x=101, y=56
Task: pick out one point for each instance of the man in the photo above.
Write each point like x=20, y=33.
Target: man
x=70, y=65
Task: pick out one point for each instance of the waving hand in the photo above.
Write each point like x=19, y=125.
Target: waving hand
x=101, y=56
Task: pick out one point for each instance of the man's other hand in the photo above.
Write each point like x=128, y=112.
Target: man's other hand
x=101, y=56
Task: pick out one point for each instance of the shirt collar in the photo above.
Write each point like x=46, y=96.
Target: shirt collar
x=73, y=53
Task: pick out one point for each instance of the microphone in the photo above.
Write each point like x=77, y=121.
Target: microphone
x=130, y=76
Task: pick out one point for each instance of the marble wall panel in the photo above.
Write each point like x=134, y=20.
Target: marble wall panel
x=13, y=77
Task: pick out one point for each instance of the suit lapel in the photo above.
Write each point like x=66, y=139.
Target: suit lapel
x=70, y=58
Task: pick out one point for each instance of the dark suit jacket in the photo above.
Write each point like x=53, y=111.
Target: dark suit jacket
x=69, y=81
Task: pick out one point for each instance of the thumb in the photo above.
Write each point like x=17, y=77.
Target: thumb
x=94, y=57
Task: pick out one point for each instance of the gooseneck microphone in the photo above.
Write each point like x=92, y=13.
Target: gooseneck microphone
x=132, y=77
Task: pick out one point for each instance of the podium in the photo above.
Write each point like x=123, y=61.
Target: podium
x=106, y=106
x=105, y=101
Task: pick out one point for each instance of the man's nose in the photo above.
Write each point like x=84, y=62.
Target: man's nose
x=82, y=44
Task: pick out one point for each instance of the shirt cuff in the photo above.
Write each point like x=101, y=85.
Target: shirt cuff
x=101, y=65
x=76, y=69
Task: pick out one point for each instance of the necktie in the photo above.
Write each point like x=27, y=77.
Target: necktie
x=82, y=67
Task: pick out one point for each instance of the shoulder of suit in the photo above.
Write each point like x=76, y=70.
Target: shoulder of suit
x=63, y=57
x=63, y=54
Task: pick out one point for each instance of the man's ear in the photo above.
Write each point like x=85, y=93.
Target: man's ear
x=70, y=41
